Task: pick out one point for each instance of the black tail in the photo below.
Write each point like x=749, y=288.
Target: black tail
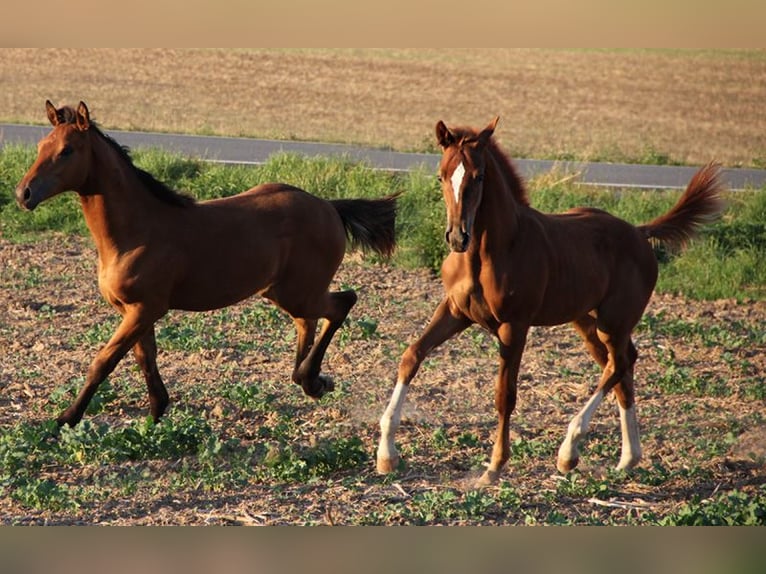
x=369, y=223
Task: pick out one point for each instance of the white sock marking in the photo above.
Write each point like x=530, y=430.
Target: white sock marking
x=578, y=427
x=631, y=445
x=389, y=422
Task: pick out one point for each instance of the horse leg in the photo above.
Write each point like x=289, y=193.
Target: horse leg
x=625, y=393
x=512, y=340
x=307, y=373
x=135, y=322
x=444, y=324
x=586, y=327
x=145, y=353
x=305, y=329
x=620, y=356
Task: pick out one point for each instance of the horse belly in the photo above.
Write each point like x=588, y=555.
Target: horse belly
x=265, y=249
x=218, y=276
x=218, y=287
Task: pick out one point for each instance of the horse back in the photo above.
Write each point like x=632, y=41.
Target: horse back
x=252, y=242
x=593, y=255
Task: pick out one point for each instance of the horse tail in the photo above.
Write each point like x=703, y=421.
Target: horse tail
x=369, y=223
x=701, y=203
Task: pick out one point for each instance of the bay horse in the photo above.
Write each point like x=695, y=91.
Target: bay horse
x=159, y=249
x=512, y=267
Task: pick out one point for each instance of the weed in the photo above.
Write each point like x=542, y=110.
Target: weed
x=730, y=508
x=250, y=397
x=287, y=463
x=174, y=436
x=579, y=485
x=64, y=395
x=42, y=493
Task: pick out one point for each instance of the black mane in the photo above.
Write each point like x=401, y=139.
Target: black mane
x=157, y=188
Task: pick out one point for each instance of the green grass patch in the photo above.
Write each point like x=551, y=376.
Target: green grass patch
x=729, y=260
x=732, y=508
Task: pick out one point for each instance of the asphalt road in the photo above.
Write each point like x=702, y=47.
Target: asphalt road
x=255, y=151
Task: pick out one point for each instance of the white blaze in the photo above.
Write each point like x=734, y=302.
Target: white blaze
x=457, y=180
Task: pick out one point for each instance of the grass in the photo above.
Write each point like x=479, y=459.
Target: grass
x=728, y=262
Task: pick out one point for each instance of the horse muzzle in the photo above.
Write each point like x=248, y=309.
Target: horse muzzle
x=26, y=197
x=457, y=239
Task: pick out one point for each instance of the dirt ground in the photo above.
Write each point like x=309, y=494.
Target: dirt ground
x=49, y=300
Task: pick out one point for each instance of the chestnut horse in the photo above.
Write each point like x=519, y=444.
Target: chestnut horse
x=160, y=250
x=512, y=267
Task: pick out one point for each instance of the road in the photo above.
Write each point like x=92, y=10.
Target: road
x=257, y=151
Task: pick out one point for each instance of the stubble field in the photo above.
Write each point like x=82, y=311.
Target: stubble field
x=243, y=445
x=617, y=105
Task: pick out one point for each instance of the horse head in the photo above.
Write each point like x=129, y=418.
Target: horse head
x=461, y=173
x=62, y=162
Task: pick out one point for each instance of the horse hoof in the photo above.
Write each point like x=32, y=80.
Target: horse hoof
x=565, y=466
x=628, y=463
x=319, y=387
x=387, y=465
x=67, y=418
x=489, y=478
x=327, y=383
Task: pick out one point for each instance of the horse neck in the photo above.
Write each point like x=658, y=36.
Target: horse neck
x=497, y=216
x=115, y=207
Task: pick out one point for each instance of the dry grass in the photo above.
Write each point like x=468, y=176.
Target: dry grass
x=614, y=105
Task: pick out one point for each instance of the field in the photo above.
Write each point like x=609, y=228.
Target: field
x=616, y=105
x=243, y=445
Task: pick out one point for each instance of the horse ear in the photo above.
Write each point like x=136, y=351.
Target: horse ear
x=50, y=110
x=445, y=137
x=83, y=117
x=487, y=132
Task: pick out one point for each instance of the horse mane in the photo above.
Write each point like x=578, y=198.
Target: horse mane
x=508, y=172
x=157, y=188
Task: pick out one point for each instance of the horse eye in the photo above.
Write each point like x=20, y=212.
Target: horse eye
x=440, y=178
x=479, y=178
x=66, y=151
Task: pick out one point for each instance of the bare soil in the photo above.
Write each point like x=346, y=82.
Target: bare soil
x=688, y=106
x=49, y=299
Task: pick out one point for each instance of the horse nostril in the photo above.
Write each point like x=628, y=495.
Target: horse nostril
x=27, y=194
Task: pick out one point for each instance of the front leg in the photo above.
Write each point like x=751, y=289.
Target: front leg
x=512, y=339
x=135, y=322
x=445, y=323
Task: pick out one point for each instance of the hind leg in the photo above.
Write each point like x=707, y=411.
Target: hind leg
x=335, y=308
x=616, y=355
x=145, y=353
x=625, y=393
x=306, y=330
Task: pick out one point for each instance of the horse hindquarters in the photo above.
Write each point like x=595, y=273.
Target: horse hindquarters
x=607, y=338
